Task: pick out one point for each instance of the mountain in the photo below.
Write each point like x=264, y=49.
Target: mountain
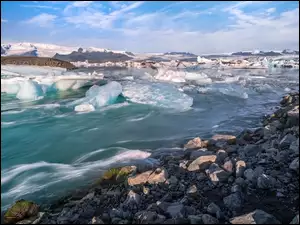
x=92, y=55
x=256, y=53
x=185, y=54
x=290, y=52
x=48, y=50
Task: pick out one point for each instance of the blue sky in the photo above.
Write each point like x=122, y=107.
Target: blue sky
x=198, y=27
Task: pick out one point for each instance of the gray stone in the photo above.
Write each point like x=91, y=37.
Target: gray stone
x=192, y=190
x=251, y=150
x=195, y=219
x=295, y=220
x=216, y=174
x=176, y=210
x=208, y=219
x=265, y=182
x=255, y=217
x=212, y=208
x=221, y=156
x=233, y=201
x=173, y=180
x=145, y=217
x=132, y=198
x=97, y=220
x=200, y=152
x=286, y=141
x=295, y=146
x=295, y=165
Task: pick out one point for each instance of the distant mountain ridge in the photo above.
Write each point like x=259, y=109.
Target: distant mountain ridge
x=185, y=54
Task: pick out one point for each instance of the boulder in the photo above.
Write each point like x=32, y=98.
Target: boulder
x=228, y=166
x=194, y=143
x=217, y=174
x=256, y=217
x=139, y=179
x=221, y=156
x=116, y=175
x=229, y=139
x=158, y=176
x=176, y=210
x=265, y=182
x=193, y=219
x=233, y=201
x=286, y=141
x=208, y=219
x=21, y=210
x=212, y=208
x=240, y=168
x=251, y=150
x=295, y=165
x=249, y=174
x=295, y=220
x=202, y=163
x=200, y=152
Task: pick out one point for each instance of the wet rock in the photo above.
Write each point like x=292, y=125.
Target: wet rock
x=116, y=175
x=192, y=190
x=295, y=146
x=208, y=219
x=286, y=141
x=200, y=152
x=221, y=156
x=295, y=220
x=139, y=179
x=145, y=217
x=32, y=220
x=230, y=139
x=249, y=174
x=146, y=190
x=158, y=176
x=97, y=220
x=202, y=163
x=233, y=201
x=217, y=174
x=132, y=198
x=172, y=180
x=195, y=219
x=251, y=150
x=265, y=182
x=176, y=210
x=21, y=210
x=255, y=217
x=295, y=165
x=228, y=166
x=240, y=168
x=194, y=143
x=212, y=208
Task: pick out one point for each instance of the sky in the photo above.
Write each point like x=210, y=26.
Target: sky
x=137, y=26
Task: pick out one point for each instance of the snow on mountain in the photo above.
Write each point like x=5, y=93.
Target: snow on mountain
x=47, y=50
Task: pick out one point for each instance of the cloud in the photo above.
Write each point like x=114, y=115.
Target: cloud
x=271, y=10
x=98, y=19
x=40, y=7
x=81, y=3
x=3, y=21
x=42, y=20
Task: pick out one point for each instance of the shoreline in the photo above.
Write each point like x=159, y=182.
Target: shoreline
x=218, y=180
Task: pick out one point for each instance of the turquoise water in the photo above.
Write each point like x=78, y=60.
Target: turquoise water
x=47, y=148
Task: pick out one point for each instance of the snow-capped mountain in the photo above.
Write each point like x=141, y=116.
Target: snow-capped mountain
x=47, y=50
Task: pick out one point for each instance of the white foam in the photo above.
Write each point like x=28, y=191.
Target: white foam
x=158, y=94
x=12, y=112
x=30, y=90
x=84, y=108
x=140, y=118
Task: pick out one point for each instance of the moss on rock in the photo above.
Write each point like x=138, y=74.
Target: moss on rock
x=20, y=210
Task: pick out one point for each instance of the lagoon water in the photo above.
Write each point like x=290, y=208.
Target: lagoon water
x=47, y=148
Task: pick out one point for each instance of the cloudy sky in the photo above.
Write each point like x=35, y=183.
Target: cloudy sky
x=198, y=27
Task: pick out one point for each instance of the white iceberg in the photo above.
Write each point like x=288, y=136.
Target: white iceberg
x=99, y=96
x=157, y=94
x=30, y=90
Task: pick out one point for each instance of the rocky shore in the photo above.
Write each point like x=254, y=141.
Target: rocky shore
x=252, y=178
x=36, y=61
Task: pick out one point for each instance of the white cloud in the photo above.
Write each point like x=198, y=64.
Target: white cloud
x=82, y=3
x=40, y=6
x=3, y=21
x=271, y=10
x=42, y=20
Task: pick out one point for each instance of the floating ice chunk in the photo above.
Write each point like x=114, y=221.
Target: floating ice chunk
x=84, y=108
x=64, y=84
x=99, y=96
x=30, y=90
x=158, y=94
x=10, y=86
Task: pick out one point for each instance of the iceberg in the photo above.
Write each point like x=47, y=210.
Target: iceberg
x=158, y=94
x=98, y=96
x=30, y=90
